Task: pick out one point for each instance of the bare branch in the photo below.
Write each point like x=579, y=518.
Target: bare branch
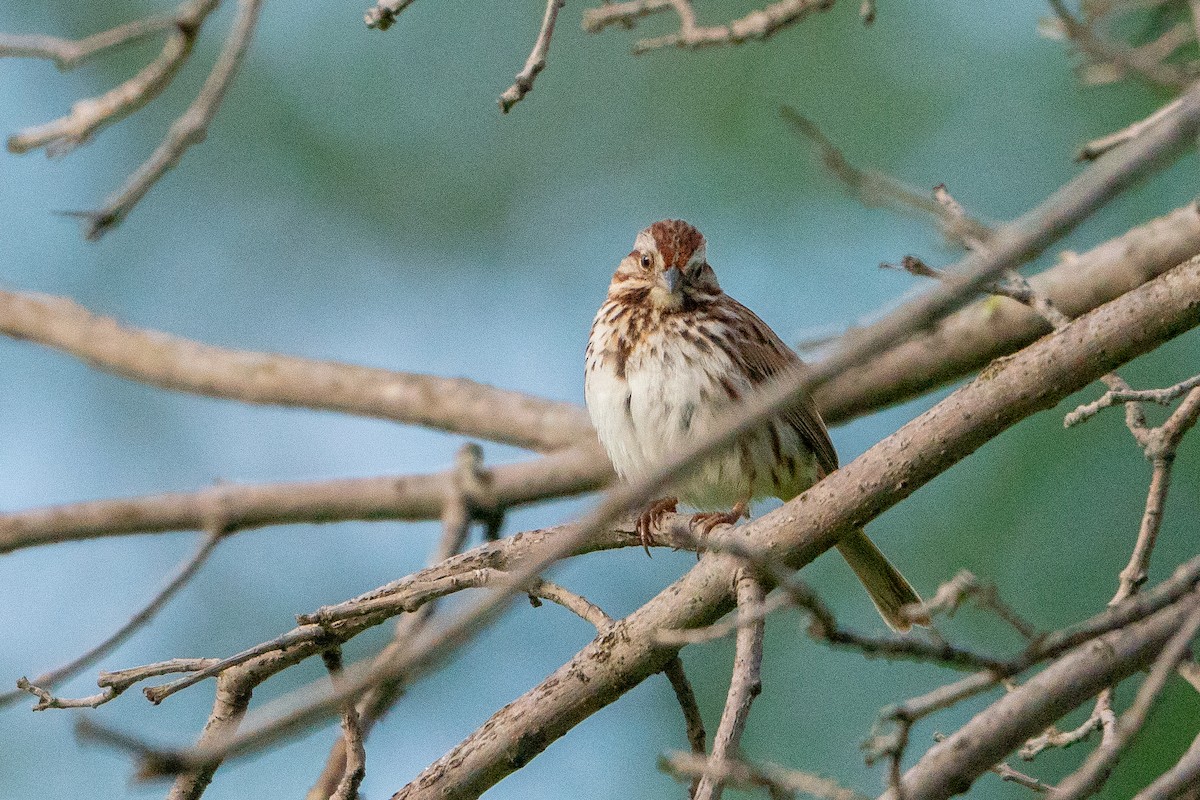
x=1138, y=607
x=1144, y=64
x=1098, y=147
x=744, y=685
x=113, y=684
x=1101, y=718
x=87, y=117
x=952, y=765
x=411, y=497
x=536, y=61
x=182, y=575
x=1113, y=397
x=779, y=781
x=1096, y=768
x=697, y=739
x=70, y=53
x=874, y=188
x=759, y=24
x=169, y=362
x=968, y=340
x=964, y=586
x=352, y=736
x=188, y=130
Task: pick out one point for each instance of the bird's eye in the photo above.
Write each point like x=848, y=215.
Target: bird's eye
x=646, y=261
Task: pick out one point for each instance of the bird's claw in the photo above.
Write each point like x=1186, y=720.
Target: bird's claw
x=652, y=518
x=703, y=524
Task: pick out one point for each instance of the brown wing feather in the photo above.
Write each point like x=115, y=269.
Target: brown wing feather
x=766, y=356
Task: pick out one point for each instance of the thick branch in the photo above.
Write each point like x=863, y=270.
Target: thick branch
x=169, y=362
x=951, y=766
x=993, y=327
x=413, y=497
x=1034, y=379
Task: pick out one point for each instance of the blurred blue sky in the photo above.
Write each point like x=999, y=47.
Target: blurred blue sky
x=360, y=197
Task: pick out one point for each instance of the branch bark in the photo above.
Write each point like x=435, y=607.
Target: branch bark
x=950, y=767
x=169, y=362
x=964, y=342
x=412, y=497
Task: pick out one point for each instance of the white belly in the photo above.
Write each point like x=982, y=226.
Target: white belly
x=664, y=403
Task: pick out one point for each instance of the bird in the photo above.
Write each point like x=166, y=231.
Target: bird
x=668, y=353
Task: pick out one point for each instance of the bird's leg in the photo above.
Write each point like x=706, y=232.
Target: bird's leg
x=702, y=524
x=652, y=518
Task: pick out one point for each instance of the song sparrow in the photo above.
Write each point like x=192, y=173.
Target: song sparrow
x=668, y=353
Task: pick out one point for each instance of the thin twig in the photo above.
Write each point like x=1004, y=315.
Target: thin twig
x=89, y=116
x=1101, y=718
x=70, y=53
x=1182, y=582
x=1098, y=147
x=874, y=188
x=536, y=61
x=1142, y=64
x=355, y=768
x=759, y=24
x=187, y=130
x=745, y=684
x=1096, y=768
x=696, y=736
x=112, y=684
x=182, y=575
x=779, y=781
x=1111, y=398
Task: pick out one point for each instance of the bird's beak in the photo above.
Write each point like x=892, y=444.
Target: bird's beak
x=674, y=278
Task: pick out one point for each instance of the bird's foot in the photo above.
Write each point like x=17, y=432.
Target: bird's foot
x=703, y=524
x=652, y=518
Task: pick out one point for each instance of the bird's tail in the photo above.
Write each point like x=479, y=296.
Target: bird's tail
x=888, y=589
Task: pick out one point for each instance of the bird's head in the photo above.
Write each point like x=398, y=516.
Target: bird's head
x=668, y=266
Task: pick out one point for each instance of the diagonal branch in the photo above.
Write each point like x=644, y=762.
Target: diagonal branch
x=744, y=685
x=967, y=340
x=1088, y=779
x=536, y=61
x=952, y=765
x=185, y=573
x=187, y=130
x=1036, y=378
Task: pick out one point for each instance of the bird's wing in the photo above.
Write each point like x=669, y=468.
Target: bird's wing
x=766, y=356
